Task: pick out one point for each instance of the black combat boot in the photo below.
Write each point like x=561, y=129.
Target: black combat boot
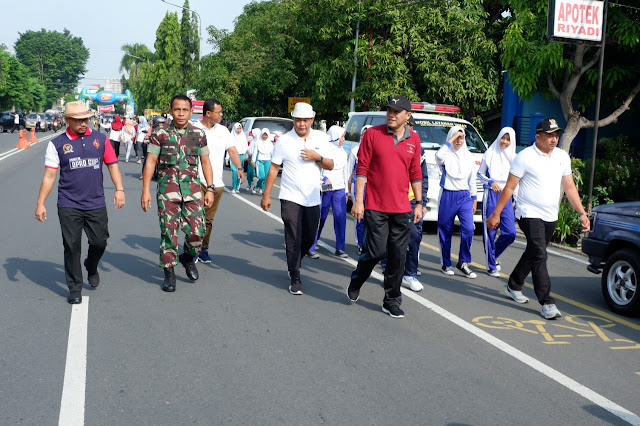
x=169, y=280
x=189, y=266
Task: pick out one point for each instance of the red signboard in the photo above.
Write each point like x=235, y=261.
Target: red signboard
x=197, y=106
x=106, y=108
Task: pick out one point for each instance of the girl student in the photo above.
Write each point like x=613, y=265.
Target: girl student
x=493, y=173
x=458, y=197
x=261, y=158
x=242, y=145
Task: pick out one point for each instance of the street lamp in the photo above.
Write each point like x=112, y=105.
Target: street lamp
x=199, y=23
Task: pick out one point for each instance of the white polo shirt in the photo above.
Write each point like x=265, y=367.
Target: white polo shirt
x=219, y=139
x=300, y=181
x=540, y=182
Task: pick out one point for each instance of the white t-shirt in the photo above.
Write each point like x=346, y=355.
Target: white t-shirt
x=218, y=140
x=300, y=181
x=540, y=176
x=16, y=119
x=338, y=176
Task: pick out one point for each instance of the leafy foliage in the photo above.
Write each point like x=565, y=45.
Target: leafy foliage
x=57, y=60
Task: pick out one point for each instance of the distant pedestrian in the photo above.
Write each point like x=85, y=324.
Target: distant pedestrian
x=334, y=196
x=219, y=141
x=302, y=153
x=388, y=162
x=176, y=147
x=80, y=153
x=261, y=158
x=458, y=198
x=142, y=136
x=16, y=122
x=116, y=134
x=493, y=173
x=128, y=137
x=541, y=170
x=240, y=140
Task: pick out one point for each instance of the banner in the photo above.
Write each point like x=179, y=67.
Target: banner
x=106, y=108
x=576, y=19
x=294, y=101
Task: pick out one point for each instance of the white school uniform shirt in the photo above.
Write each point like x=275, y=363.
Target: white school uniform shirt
x=300, y=181
x=465, y=179
x=219, y=139
x=338, y=176
x=540, y=182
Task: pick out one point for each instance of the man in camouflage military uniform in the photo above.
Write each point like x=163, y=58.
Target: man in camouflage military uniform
x=176, y=147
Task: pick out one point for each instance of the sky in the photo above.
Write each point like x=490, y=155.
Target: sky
x=105, y=26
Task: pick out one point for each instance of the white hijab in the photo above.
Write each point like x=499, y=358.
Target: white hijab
x=363, y=130
x=335, y=133
x=460, y=164
x=499, y=160
x=240, y=139
x=265, y=146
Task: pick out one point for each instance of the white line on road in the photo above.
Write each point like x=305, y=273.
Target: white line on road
x=75, y=370
x=14, y=151
x=528, y=360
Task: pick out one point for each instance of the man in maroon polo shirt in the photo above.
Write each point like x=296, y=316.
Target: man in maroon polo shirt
x=388, y=162
x=80, y=153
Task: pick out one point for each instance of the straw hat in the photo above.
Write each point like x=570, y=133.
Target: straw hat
x=76, y=109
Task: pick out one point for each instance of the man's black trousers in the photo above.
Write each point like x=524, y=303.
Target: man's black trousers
x=384, y=232
x=95, y=225
x=534, y=259
x=300, y=227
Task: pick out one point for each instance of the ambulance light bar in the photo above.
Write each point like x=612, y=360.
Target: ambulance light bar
x=441, y=108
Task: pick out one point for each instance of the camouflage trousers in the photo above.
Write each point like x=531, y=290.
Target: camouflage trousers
x=187, y=216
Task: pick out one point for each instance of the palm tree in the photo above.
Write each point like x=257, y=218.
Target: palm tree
x=134, y=54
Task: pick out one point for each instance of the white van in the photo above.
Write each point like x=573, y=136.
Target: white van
x=432, y=129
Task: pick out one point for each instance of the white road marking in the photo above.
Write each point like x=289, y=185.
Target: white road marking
x=75, y=370
x=528, y=360
x=14, y=151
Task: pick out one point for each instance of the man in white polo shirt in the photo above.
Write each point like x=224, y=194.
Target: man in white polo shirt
x=302, y=152
x=541, y=170
x=219, y=141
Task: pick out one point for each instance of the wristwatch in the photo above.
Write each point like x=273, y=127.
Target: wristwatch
x=211, y=187
x=418, y=202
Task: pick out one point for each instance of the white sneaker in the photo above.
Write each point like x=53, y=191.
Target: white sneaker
x=412, y=282
x=550, y=311
x=493, y=273
x=447, y=270
x=498, y=267
x=515, y=295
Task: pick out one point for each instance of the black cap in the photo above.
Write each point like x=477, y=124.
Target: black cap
x=548, y=125
x=399, y=103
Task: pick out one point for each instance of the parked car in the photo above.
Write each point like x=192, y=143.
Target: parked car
x=432, y=129
x=6, y=121
x=613, y=246
x=30, y=122
x=276, y=125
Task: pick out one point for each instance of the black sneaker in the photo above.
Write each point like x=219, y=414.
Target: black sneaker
x=169, y=280
x=393, y=311
x=296, y=286
x=353, y=295
x=464, y=268
x=94, y=280
x=313, y=255
x=341, y=254
x=189, y=266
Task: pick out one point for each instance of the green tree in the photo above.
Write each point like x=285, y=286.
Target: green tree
x=190, y=39
x=568, y=72
x=134, y=55
x=18, y=87
x=57, y=60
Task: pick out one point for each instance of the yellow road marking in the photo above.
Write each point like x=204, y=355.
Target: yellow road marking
x=575, y=303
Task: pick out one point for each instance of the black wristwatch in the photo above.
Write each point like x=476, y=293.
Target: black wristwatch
x=211, y=187
x=418, y=202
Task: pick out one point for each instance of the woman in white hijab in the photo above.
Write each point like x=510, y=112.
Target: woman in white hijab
x=493, y=173
x=334, y=196
x=240, y=141
x=458, y=197
x=261, y=158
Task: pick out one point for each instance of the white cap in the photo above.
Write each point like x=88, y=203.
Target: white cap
x=303, y=110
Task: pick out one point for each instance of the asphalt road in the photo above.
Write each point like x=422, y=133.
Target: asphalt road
x=236, y=347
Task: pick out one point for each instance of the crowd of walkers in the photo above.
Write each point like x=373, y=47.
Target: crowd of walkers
x=384, y=175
